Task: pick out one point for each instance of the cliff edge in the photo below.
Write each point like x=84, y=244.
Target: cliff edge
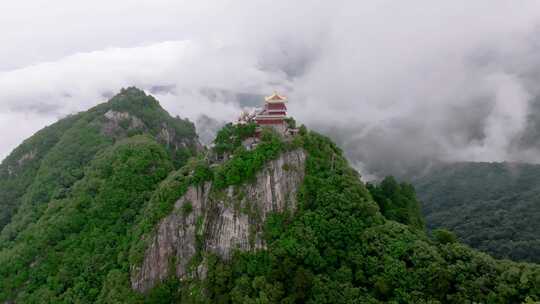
x=219, y=221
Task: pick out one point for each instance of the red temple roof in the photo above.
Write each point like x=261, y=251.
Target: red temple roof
x=276, y=106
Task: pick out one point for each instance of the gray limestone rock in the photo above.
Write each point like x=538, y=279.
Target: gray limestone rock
x=219, y=221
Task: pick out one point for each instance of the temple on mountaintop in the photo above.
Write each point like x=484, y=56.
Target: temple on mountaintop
x=274, y=113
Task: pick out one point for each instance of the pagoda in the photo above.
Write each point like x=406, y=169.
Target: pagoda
x=274, y=113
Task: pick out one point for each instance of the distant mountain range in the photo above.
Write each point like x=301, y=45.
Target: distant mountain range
x=494, y=207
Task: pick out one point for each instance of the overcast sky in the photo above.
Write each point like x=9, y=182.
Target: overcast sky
x=394, y=82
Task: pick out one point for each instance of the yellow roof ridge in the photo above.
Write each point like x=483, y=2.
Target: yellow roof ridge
x=275, y=97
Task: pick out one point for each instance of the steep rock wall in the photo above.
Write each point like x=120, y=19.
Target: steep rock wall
x=219, y=221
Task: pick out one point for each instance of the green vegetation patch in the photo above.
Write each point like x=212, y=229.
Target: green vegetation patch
x=340, y=248
x=67, y=255
x=70, y=194
x=397, y=202
x=244, y=165
x=492, y=207
x=230, y=137
x=187, y=208
x=19, y=169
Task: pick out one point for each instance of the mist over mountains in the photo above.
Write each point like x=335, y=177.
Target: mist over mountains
x=396, y=84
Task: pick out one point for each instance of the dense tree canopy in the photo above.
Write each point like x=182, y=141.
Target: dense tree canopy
x=58, y=219
x=18, y=170
x=397, y=202
x=493, y=207
x=66, y=255
x=230, y=137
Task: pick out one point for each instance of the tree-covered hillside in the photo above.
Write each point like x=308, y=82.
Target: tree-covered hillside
x=46, y=165
x=82, y=223
x=494, y=207
x=48, y=182
x=66, y=254
x=397, y=202
x=339, y=248
x=18, y=170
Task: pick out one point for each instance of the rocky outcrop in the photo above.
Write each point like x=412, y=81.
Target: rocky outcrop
x=119, y=124
x=120, y=121
x=207, y=221
x=26, y=157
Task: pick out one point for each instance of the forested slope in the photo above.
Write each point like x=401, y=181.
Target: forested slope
x=18, y=170
x=339, y=248
x=49, y=191
x=45, y=166
x=494, y=207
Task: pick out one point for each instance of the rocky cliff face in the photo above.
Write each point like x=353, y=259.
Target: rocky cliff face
x=218, y=222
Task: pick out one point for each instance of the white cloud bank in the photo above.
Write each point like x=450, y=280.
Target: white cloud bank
x=396, y=83
x=75, y=83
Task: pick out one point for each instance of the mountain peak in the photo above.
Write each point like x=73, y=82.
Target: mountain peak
x=132, y=99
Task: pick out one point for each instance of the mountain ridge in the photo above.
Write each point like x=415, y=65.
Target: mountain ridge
x=120, y=194
x=77, y=140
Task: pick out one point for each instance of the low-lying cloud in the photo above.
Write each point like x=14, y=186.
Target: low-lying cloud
x=397, y=84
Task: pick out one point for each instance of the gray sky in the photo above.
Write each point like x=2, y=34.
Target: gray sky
x=394, y=82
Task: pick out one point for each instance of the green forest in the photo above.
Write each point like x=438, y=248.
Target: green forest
x=82, y=196
x=493, y=207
